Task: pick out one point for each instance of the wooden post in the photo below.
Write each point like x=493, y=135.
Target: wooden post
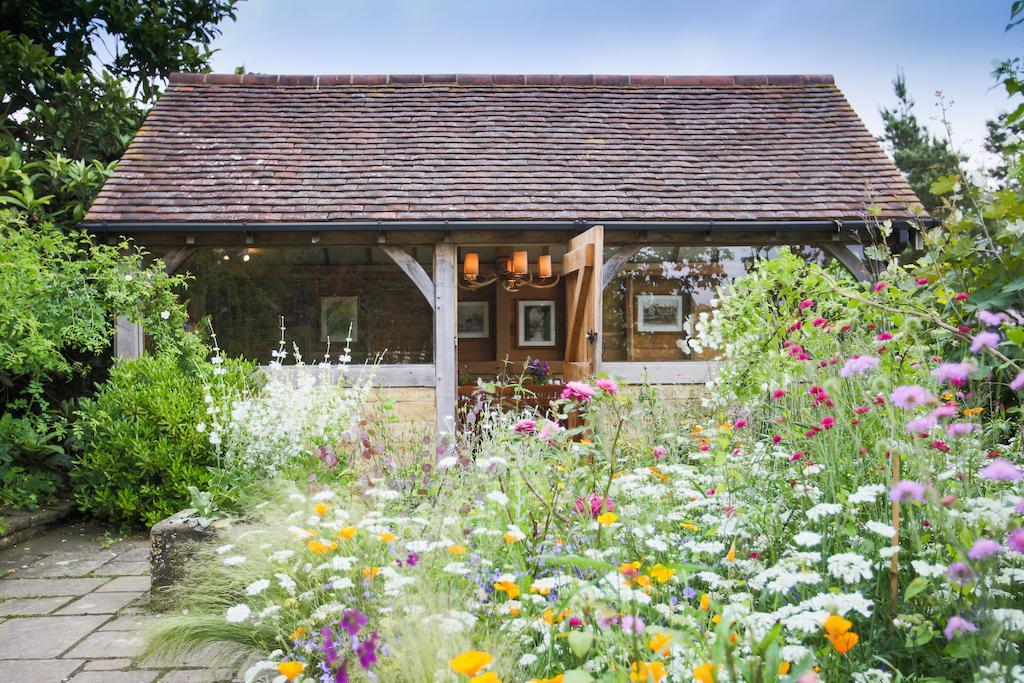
x=446, y=338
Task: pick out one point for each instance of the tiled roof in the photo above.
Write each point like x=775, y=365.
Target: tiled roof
x=261, y=148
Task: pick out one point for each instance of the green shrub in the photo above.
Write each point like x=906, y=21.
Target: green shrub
x=141, y=449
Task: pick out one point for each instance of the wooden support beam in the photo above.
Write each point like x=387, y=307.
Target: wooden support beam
x=843, y=254
x=446, y=336
x=175, y=258
x=617, y=260
x=412, y=268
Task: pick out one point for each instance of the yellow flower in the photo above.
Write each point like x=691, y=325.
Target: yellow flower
x=370, y=572
x=971, y=412
x=321, y=508
x=303, y=533
x=508, y=587
x=731, y=555
x=511, y=537
x=542, y=590
x=697, y=429
x=689, y=527
x=290, y=669
x=486, y=677
x=456, y=550
x=321, y=548
x=606, y=518
x=716, y=618
x=554, y=679
x=835, y=625
x=844, y=642
x=705, y=673
x=346, y=532
x=642, y=580
x=726, y=425
x=662, y=574
x=705, y=602
x=647, y=672
x=784, y=668
x=297, y=633
x=386, y=536
x=470, y=662
x=659, y=643
x=629, y=568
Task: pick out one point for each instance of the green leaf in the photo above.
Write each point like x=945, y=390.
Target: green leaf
x=915, y=587
x=580, y=643
x=944, y=185
x=577, y=676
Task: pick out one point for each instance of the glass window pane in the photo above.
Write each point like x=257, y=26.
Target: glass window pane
x=652, y=304
x=320, y=292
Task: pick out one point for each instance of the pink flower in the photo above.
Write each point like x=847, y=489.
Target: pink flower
x=984, y=340
x=906, y=490
x=548, y=431
x=960, y=573
x=910, y=396
x=796, y=456
x=828, y=422
x=1001, y=470
x=596, y=503
x=776, y=438
x=608, y=386
x=1015, y=541
x=525, y=427
x=806, y=303
x=1017, y=383
x=962, y=296
x=960, y=428
x=579, y=391
x=740, y=424
x=879, y=286
x=859, y=365
x=659, y=452
x=957, y=625
x=991, y=319
x=921, y=425
x=921, y=281
x=954, y=373
x=944, y=411
x=983, y=549
x=819, y=322
x=885, y=336
x=779, y=393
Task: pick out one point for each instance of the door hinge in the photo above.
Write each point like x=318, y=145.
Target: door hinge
x=591, y=336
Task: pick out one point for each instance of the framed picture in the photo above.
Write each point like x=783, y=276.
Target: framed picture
x=337, y=314
x=659, y=313
x=474, y=320
x=536, y=323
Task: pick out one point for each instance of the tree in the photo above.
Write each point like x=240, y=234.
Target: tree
x=76, y=78
x=1002, y=140
x=922, y=157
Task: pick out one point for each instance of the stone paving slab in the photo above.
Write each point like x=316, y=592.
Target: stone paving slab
x=103, y=644
x=44, y=637
x=37, y=671
x=31, y=607
x=40, y=588
x=137, y=584
x=100, y=603
x=115, y=677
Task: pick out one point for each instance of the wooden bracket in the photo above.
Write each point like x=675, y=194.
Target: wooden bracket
x=412, y=268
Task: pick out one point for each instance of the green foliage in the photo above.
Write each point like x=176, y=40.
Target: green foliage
x=141, y=451
x=1002, y=140
x=76, y=79
x=920, y=155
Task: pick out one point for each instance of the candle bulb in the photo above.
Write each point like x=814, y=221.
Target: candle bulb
x=520, y=263
x=471, y=265
x=544, y=265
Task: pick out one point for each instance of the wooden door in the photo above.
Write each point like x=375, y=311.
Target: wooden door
x=581, y=272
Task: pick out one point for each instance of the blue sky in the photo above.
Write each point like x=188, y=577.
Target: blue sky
x=940, y=44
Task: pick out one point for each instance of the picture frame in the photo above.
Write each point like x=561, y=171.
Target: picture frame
x=536, y=323
x=659, y=313
x=337, y=313
x=474, y=319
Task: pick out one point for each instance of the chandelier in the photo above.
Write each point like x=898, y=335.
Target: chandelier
x=512, y=272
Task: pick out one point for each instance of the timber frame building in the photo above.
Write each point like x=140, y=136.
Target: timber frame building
x=458, y=226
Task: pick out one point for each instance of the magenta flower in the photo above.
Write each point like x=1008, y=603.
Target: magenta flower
x=634, y=624
x=920, y=425
x=921, y=281
x=960, y=573
x=960, y=428
x=779, y=393
x=525, y=427
x=944, y=411
x=1019, y=507
x=962, y=296
x=910, y=396
x=352, y=621
x=984, y=340
x=906, y=490
x=957, y=625
x=578, y=391
x=596, y=503
x=1015, y=541
x=659, y=452
x=828, y=422
x=983, y=549
x=1001, y=470
x=885, y=336
x=859, y=365
x=806, y=303
x=1017, y=383
x=879, y=286
x=608, y=386
x=991, y=319
x=954, y=373
x=367, y=651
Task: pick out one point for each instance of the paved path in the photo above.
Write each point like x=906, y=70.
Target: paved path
x=71, y=607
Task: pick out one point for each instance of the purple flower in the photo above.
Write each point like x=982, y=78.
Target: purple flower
x=330, y=653
x=631, y=623
x=367, y=651
x=960, y=428
x=1019, y=507
x=689, y=593
x=411, y=559
x=920, y=425
x=906, y=490
x=910, y=396
x=957, y=625
x=525, y=427
x=659, y=452
x=341, y=675
x=1017, y=383
x=1015, y=541
x=983, y=549
x=984, y=340
x=944, y=411
x=352, y=621
x=1001, y=470
x=954, y=373
x=958, y=572
x=859, y=365
x=991, y=319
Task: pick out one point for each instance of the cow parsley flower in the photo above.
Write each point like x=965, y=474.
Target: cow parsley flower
x=881, y=529
x=866, y=494
x=807, y=539
x=257, y=587
x=849, y=567
x=821, y=510
x=238, y=614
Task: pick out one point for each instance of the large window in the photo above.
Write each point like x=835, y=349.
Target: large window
x=652, y=304
x=322, y=293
